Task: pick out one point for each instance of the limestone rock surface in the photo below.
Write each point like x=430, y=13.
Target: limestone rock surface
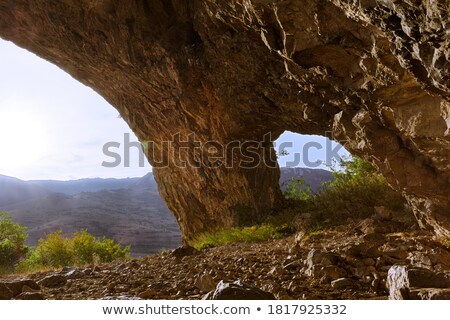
x=373, y=72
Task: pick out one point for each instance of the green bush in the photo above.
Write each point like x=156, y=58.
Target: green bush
x=12, y=242
x=241, y=234
x=87, y=249
x=356, y=189
x=108, y=250
x=55, y=250
x=83, y=248
x=297, y=189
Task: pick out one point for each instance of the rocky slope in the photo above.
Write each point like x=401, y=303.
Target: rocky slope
x=370, y=259
x=373, y=72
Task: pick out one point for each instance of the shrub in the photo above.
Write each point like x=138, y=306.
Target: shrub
x=356, y=189
x=355, y=192
x=108, y=250
x=12, y=242
x=87, y=249
x=83, y=248
x=241, y=234
x=54, y=250
x=297, y=189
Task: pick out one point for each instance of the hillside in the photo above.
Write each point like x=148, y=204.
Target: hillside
x=14, y=190
x=134, y=217
x=129, y=210
x=84, y=185
x=313, y=177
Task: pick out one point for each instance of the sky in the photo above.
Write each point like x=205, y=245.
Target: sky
x=54, y=127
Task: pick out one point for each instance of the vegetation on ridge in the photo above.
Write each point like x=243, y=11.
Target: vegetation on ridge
x=12, y=242
x=354, y=193
x=54, y=250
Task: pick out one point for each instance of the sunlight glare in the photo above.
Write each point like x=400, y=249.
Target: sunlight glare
x=23, y=138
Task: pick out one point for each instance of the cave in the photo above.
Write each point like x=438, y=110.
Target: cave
x=373, y=73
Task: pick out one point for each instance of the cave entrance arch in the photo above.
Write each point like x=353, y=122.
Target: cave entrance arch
x=52, y=129
x=238, y=72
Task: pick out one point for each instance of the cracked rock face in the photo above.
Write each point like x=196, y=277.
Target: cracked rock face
x=374, y=72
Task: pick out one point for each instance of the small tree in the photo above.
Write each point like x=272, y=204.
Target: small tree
x=54, y=250
x=297, y=189
x=12, y=242
x=84, y=247
x=352, y=168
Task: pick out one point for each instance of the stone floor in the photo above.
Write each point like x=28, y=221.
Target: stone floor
x=343, y=262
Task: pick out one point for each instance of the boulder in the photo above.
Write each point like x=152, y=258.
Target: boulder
x=120, y=298
x=26, y=288
x=323, y=265
x=72, y=273
x=237, y=291
x=440, y=256
x=183, y=251
x=361, y=272
x=5, y=292
x=16, y=286
x=430, y=294
x=315, y=258
x=420, y=260
x=205, y=282
x=404, y=281
x=364, y=249
x=396, y=253
x=53, y=281
x=329, y=273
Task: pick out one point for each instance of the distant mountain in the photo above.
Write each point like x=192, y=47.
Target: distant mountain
x=134, y=217
x=85, y=185
x=313, y=177
x=128, y=210
x=14, y=190
x=147, y=182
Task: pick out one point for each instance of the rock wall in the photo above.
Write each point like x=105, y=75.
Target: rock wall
x=375, y=73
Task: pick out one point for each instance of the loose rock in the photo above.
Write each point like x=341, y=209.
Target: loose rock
x=402, y=280
x=53, y=281
x=5, y=292
x=238, y=291
x=205, y=283
x=30, y=296
x=342, y=283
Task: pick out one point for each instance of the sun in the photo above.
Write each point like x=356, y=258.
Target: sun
x=23, y=137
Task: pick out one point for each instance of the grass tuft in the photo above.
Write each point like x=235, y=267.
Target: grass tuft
x=256, y=233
